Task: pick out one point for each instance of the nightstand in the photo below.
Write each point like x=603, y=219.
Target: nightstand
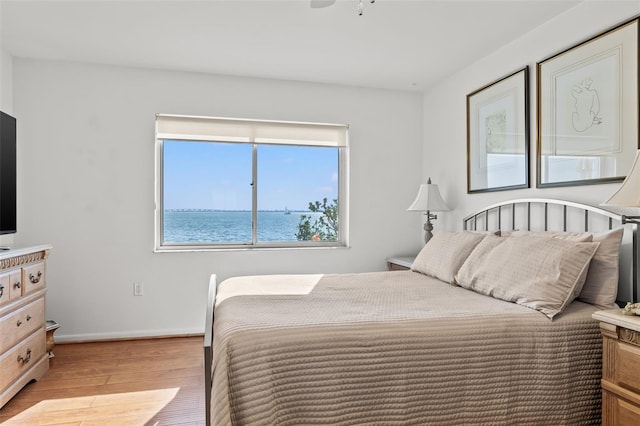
x=400, y=263
x=620, y=367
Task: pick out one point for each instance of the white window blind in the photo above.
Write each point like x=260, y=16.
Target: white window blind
x=181, y=127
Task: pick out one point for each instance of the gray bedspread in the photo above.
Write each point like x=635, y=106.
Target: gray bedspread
x=400, y=348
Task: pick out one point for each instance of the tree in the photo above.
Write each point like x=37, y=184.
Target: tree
x=324, y=227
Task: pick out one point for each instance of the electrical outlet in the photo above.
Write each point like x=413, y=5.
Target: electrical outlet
x=138, y=288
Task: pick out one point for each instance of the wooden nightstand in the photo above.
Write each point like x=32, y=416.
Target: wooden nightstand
x=620, y=367
x=400, y=263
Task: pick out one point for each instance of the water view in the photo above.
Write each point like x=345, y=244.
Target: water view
x=224, y=226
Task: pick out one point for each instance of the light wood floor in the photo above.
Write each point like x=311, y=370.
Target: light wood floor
x=141, y=382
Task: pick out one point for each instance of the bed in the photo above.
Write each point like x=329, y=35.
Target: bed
x=492, y=325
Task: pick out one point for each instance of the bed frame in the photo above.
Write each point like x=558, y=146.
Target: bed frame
x=208, y=346
x=533, y=214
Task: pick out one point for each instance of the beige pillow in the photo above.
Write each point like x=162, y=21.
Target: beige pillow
x=571, y=236
x=496, y=232
x=541, y=273
x=601, y=286
x=443, y=255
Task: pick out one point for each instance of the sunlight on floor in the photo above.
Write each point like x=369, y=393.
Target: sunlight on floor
x=131, y=408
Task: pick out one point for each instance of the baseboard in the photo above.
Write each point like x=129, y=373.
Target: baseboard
x=128, y=335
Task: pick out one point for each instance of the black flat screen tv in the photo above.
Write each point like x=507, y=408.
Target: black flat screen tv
x=7, y=174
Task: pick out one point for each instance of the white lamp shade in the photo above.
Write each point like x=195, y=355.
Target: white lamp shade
x=429, y=199
x=628, y=195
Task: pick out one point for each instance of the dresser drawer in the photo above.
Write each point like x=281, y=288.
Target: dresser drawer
x=5, y=288
x=19, y=324
x=627, y=367
x=10, y=286
x=18, y=360
x=33, y=277
x=15, y=284
x=625, y=413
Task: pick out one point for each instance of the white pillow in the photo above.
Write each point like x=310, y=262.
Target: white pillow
x=445, y=252
x=541, y=273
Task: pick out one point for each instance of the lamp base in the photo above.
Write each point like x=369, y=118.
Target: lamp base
x=428, y=226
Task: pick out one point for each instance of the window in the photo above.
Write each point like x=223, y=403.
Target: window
x=230, y=183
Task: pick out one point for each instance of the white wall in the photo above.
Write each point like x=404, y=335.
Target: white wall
x=444, y=108
x=6, y=82
x=6, y=106
x=86, y=186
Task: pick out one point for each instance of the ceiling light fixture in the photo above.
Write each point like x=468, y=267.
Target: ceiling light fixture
x=317, y=4
x=361, y=6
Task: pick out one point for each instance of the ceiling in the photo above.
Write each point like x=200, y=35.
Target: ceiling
x=396, y=44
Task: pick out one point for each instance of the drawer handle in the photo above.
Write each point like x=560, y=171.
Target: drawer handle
x=19, y=323
x=17, y=284
x=35, y=279
x=25, y=360
x=1, y=290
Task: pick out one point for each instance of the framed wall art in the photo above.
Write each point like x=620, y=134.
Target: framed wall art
x=498, y=134
x=587, y=100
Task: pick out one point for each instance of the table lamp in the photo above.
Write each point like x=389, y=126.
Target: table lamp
x=429, y=200
x=628, y=195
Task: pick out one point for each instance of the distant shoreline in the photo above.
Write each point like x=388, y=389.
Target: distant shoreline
x=233, y=211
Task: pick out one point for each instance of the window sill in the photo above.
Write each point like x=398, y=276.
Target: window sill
x=248, y=247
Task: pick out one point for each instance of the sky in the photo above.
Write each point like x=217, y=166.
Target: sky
x=206, y=175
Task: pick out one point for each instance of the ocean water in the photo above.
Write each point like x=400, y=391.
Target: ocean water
x=205, y=226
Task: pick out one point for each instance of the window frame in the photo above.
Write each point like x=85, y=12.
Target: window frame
x=343, y=195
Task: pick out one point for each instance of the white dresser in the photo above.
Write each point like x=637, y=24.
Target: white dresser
x=23, y=355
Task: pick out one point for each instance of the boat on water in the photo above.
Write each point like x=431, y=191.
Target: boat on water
x=286, y=210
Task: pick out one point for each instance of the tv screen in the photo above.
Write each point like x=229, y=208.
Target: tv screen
x=7, y=174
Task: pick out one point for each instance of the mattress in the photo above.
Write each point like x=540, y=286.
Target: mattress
x=397, y=348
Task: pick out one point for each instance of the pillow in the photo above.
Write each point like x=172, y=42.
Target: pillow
x=601, y=286
x=497, y=232
x=445, y=252
x=541, y=273
x=571, y=236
